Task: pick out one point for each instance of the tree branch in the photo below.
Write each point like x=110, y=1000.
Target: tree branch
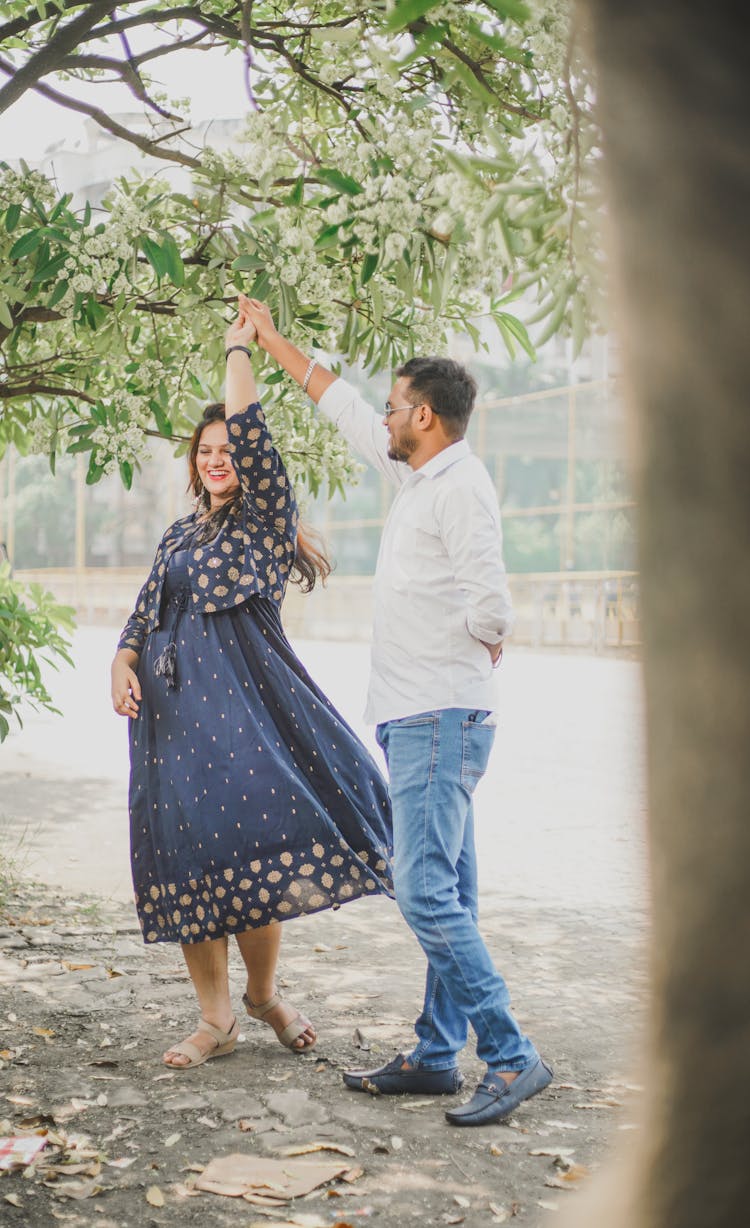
x=47, y=59
x=10, y=392
x=147, y=145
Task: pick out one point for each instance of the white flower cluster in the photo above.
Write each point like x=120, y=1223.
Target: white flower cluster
x=39, y=435
x=125, y=441
x=548, y=35
x=308, y=442
x=98, y=262
x=16, y=187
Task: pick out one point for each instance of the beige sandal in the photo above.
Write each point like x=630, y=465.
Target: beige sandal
x=291, y=1031
x=225, y=1043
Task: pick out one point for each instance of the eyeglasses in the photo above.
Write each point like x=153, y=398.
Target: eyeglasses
x=395, y=409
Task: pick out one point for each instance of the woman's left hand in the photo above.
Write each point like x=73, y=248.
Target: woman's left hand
x=241, y=331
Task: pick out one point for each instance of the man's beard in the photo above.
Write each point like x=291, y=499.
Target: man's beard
x=402, y=450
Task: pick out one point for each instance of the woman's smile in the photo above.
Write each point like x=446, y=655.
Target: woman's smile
x=213, y=462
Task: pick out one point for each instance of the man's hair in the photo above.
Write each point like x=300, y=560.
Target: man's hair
x=446, y=387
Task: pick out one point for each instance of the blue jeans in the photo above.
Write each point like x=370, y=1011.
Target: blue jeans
x=435, y=760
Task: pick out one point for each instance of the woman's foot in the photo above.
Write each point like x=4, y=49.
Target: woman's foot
x=293, y=1030
x=206, y=1042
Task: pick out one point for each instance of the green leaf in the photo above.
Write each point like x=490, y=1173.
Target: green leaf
x=6, y=319
x=517, y=330
x=408, y=11
x=247, y=263
x=340, y=181
x=28, y=243
x=12, y=217
x=154, y=255
x=50, y=269
x=369, y=265
x=162, y=421
x=328, y=236
x=95, y=313
x=126, y=473
x=514, y=9
x=57, y=294
x=94, y=472
x=174, y=267
x=297, y=194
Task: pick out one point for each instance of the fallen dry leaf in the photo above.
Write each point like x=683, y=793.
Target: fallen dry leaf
x=13, y=1199
x=546, y=1205
x=501, y=1214
x=154, y=1196
x=361, y=1041
x=310, y=1147
x=498, y=1151
x=76, y=967
x=554, y=1152
x=173, y=1138
x=599, y=1104
x=77, y=1190
x=47, y=1033
x=460, y=1201
x=272, y=1181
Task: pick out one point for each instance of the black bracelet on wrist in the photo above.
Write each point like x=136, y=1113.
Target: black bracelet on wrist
x=232, y=348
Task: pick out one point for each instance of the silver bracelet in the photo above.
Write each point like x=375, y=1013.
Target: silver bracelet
x=308, y=373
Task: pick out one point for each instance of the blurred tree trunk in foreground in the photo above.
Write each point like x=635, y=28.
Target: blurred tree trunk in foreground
x=673, y=86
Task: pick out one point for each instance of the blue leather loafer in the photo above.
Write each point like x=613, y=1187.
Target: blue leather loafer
x=495, y=1099
x=394, y=1079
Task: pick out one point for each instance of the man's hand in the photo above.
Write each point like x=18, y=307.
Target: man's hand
x=495, y=651
x=126, y=689
x=260, y=317
x=241, y=331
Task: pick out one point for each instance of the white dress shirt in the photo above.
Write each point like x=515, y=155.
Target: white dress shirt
x=440, y=586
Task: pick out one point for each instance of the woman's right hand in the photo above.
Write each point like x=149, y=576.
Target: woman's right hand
x=126, y=689
x=261, y=317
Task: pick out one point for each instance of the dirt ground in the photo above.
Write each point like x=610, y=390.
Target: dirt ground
x=86, y=1010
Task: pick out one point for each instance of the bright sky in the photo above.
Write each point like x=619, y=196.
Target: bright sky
x=213, y=81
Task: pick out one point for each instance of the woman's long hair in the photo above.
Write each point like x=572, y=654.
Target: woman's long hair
x=310, y=560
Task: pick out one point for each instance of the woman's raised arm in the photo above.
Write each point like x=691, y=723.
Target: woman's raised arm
x=241, y=389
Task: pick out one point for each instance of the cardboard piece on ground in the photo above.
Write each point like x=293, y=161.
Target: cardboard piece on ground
x=18, y=1151
x=257, y=1177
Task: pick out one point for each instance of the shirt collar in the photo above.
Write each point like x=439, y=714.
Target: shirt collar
x=444, y=459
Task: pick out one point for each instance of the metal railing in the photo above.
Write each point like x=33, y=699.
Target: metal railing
x=595, y=611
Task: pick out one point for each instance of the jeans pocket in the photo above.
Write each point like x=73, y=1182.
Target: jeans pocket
x=476, y=744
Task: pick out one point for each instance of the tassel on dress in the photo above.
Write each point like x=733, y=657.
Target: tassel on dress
x=166, y=664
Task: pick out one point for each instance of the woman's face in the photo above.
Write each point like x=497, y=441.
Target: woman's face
x=214, y=465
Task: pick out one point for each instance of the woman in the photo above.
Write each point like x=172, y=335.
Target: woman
x=251, y=801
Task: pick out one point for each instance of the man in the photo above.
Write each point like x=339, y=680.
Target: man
x=442, y=608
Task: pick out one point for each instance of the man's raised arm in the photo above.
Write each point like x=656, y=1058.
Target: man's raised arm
x=358, y=422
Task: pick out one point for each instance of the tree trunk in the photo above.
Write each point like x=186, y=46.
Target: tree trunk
x=672, y=86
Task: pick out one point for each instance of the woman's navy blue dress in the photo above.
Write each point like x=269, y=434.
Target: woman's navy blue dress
x=251, y=799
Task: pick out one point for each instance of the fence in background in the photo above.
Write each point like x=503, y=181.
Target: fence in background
x=595, y=611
